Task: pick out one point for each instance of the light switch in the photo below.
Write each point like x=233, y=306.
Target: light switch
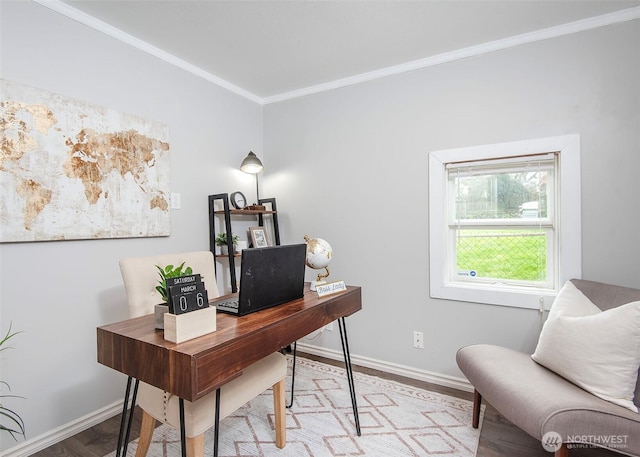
x=175, y=200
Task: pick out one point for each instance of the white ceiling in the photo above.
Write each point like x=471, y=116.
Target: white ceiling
x=271, y=48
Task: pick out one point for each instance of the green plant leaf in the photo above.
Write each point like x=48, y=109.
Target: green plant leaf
x=6, y=338
x=16, y=426
x=169, y=272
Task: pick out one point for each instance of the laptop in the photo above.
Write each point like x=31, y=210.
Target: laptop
x=269, y=276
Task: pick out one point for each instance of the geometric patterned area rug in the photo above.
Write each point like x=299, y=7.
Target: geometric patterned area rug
x=396, y=420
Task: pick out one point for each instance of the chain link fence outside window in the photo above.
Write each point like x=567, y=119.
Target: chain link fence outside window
x=518, y=254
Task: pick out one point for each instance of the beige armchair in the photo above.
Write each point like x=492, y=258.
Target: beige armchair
x=140, y=277
x=546, y=405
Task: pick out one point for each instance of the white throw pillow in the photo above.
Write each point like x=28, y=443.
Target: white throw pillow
x=594, y=349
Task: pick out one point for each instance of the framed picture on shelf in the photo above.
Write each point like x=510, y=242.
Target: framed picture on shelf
x=259, y=237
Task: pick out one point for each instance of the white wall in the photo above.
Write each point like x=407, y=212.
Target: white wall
x=57, y=293
x=350, y=166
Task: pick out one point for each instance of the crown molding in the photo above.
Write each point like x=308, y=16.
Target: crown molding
x=90, y=21
x=582, y=25
x=625, y=15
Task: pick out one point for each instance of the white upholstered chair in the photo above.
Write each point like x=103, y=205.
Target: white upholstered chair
x=141, y=277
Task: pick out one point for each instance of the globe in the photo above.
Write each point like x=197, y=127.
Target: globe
x=319, y=255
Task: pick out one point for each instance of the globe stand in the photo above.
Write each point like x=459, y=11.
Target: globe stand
x=319, y=254
x=320, y=279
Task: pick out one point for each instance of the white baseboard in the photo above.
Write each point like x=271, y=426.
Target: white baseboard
x=43, y=441
x=393, y=368
x=38, y=443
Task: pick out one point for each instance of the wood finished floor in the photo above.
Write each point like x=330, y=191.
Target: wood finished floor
x=498, y=437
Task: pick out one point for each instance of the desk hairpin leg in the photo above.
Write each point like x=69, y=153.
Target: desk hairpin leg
x=293, y=373
x=183, y=435
x=347, y=363
x=217, y=424
x=121, y=435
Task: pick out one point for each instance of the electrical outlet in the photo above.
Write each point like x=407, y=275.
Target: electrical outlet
x=418, y=340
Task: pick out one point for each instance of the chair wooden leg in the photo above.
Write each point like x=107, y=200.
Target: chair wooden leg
x=279, y=408
x=147, y=427
x=477, y=401
x=195, y=446
x=563, y=451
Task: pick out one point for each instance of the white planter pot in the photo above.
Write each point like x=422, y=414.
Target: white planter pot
x=159, y=312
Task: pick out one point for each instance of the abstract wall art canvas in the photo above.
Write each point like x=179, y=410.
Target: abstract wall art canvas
x=73, y=170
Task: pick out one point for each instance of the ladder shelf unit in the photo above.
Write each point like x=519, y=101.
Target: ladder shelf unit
x=225, y=217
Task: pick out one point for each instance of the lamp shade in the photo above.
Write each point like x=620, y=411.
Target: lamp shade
x=251, y=164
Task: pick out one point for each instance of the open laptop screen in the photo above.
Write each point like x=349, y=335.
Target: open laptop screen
x=269, y=276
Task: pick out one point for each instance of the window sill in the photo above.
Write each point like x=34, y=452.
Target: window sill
x=492, y=294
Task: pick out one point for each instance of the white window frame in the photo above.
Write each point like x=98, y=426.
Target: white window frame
x=568, y=213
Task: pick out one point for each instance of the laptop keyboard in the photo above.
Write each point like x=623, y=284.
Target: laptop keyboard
x=229, y=305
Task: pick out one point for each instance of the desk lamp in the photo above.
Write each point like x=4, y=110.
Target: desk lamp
x=252, y=165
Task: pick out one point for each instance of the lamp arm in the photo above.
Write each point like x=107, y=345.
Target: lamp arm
x=257, y=190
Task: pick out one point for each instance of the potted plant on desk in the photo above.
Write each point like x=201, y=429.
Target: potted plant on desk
x=167, y=272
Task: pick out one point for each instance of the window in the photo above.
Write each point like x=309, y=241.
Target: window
x=505, y=221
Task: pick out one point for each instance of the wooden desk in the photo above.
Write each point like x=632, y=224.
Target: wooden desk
x=196, y=367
